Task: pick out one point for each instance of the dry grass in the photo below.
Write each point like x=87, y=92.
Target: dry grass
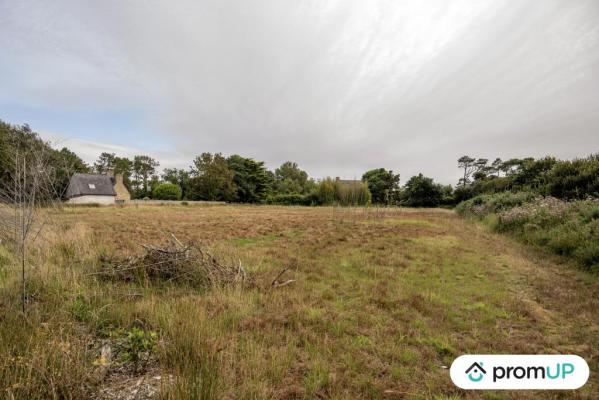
x=383, y=300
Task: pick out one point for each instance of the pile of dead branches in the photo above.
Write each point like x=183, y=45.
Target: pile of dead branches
x=179, y=263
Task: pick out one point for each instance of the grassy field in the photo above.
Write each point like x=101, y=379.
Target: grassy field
x=383, y=301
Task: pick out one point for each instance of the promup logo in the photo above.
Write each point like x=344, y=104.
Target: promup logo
x=519, y=372
x=476, y=372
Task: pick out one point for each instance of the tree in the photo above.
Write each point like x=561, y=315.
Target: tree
x=211, y=179
x=325, y=191
x=178, y=177
x=467, y=164
x=143, y=169
x=421, y=191
x=124, y=166
x=290, y=179
x=496, y=167
x=351, y=193
x=60, y=163
x=104, y=162
x=447, y=195
x=167, y=191
x=576, y=179
x=253, y=181
x=383, y=185
x=66, y=164
x=533, y=174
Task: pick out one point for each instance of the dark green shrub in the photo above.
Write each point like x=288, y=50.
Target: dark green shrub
x=569, y=229
x=564, y=241
x=577, y=179
x=588, y=255
x=493, y=203
x=421, y=191
x=167, y=191
x=290, y=199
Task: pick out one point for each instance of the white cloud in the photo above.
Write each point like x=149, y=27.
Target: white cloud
x=338, y=86
x=90, y=150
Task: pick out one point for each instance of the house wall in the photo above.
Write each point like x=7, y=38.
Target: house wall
x=104, y=200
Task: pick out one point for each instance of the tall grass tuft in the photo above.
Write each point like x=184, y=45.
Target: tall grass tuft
x=42, y=360
x=189, y=351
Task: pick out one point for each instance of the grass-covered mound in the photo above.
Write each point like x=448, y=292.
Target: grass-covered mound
x=568, y=228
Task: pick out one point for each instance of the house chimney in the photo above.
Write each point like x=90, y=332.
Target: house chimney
x=110, y=172
x=118, y=178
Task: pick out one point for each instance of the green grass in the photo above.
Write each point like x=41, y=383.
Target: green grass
x=381, y=303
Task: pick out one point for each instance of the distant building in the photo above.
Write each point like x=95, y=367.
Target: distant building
x=96, y=188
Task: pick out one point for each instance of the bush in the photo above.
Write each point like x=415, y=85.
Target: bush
x=569, y=229
x=167, y=191
x=290, y=199
x=485, y=204
x=577, y=179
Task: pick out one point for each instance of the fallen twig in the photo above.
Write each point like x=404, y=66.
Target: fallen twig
x=275, y=283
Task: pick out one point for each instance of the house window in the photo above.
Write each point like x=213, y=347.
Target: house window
x=91, y=185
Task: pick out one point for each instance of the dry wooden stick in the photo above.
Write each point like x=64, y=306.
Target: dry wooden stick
x=275, y=283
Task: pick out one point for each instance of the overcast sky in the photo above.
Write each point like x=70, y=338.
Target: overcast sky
x=337, y=86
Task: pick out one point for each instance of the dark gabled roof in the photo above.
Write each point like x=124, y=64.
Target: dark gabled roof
x=90, y=184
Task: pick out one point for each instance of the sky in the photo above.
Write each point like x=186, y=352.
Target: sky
x=339, y=87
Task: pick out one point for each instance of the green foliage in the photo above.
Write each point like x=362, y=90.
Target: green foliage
x=421, y=191
x=383, y=185
x=137, y=344
x=60, y=164
x=167, y=191
x=485, y=204
x=144, y=167
x=178, y=177
x=325, y=191
x=81, y=309
x=293, y=199
x=120, y=165
x=290, y=179
x=211, y=179
x=67, y=163
x=253, y=181
x=105, y=162
x=569, y=229
x=576, y=179
x=336, y=191
x=447, y=195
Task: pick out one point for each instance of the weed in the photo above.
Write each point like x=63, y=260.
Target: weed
x=137, y=345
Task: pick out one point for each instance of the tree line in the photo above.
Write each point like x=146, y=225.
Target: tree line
x=575, y=179
x=235, y=178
